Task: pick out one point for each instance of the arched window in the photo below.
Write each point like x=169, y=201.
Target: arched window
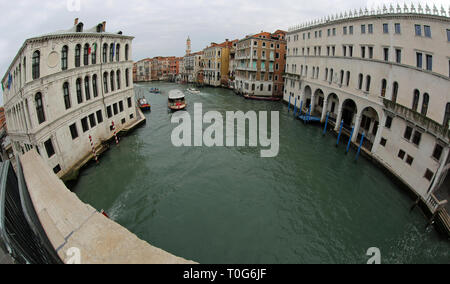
x=94, y=85
x=78, y=55
x=416, y=98
x=127, y=76
x=360, y=81
x=368, y=79
x=126, y=52
x=105, y=82
x=66, y=95
x=39, y=108
x=348, y=78
x=87, y=91
x=94, y=53
x=331, y=75
x=447, y=116
x=25, y=69
x=111, y=52
x=64, y=57
x=105, y=53
x=118, y=52
x=86, y=52
x=79, y=93
x=395, y=92
x=118, y=79
x=426, y=101
x=326, y=74
x=112, y=81
x=383, y=87
x=36, y=65
x=342, y=77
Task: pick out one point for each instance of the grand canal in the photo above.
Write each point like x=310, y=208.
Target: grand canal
x=310, y=204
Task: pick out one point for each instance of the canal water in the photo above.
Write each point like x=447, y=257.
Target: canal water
x=310, y=204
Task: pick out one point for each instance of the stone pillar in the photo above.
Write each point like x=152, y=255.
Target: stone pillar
x=376, y=142
x=357, y=126
x=339, y=117
x=313, y=99
x=302, y=98
x=324, y=111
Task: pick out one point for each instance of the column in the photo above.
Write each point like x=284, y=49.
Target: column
x=324, y=111
x=339, y=118
x=313, y=99
x=357, y=126
x=376, y=142
x=302, y=98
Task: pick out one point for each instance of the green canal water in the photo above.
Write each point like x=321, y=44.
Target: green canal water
x=310, y=204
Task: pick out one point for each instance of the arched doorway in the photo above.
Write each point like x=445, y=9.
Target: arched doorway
x=319, y=101
x=349, y=111
x=307, y=97
x=370, y=120
x=333, y=106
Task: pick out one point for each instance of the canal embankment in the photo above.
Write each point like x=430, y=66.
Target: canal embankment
x=77, y=230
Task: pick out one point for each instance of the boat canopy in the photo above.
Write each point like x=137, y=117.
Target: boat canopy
x=176, y=95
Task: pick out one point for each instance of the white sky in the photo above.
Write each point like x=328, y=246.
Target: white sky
x=161, y=27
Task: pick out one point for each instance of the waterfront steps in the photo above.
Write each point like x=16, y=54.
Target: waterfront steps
x=69, y=223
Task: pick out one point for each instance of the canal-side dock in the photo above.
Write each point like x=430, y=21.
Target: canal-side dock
x=72, y=226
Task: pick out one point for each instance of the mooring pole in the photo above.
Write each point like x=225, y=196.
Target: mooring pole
x=301, y=109
x=360, y=146
x=326, y=124
x=309, y=113
x=340, y=132
x=93, y=149
x=289, y=107
x=350, y=140
x=295, y=106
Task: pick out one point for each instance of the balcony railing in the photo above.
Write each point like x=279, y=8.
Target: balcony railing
x=426, y=123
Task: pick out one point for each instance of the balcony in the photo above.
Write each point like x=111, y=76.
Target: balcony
x=420, y=120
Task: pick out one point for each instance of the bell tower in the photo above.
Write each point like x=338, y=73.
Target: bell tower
x=188, y=46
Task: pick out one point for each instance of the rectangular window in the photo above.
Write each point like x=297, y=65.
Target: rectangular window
x=363, y=52
x=419, y=60
x=57, y=169
x=427, y=30
x=92, y=120
x=370, y=28
x=398, y=55
x=448, y=35
x=401, y=154
x=363, y=29
x=409, y=160
x=428, y=175
x=385, y=28
x=417, y=138
x=386, y=54
x=408, y=133
x=429, y=62
x=388, y=122
x=418, y=29
x=123, y=120
x=438, y=152
x=397, y=28
x=350, y=51
x=370, y=52
x=109, y=112
x=115, y=109
x=334, y=31
x=49, y=148
x=129, y=102
x=121, y=106
x=383, y=142
x=345, y=30
x=74, y=131
x=84, y=124
x=350, y=30
x=99, y=116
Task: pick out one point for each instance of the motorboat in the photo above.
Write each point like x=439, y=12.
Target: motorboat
x=155, y=91
x=144, y=105
x=177, y=100
x=193, y=91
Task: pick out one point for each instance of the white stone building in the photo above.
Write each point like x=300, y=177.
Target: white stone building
x=386, y=74
x=65, y=86
x=192, y=65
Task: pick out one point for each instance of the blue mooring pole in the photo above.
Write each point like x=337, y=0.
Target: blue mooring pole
x=309, y=113
x=326, y=124
x=289, y=108
x=360, y=146
x=295, y=106
x=350, y=140
x=301, y=108
x=340, y=132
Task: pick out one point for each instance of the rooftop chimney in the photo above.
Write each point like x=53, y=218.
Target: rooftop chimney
x=75, y=22
x=104, y=26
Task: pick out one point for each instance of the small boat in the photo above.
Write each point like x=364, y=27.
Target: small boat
x=256, y=98
x=177, y=100
x=155, y=91
x=144, y=105
x=193, y=91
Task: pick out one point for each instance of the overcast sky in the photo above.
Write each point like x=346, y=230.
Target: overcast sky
x=161, y=27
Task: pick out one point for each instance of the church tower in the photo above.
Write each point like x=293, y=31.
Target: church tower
x=188, y=46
